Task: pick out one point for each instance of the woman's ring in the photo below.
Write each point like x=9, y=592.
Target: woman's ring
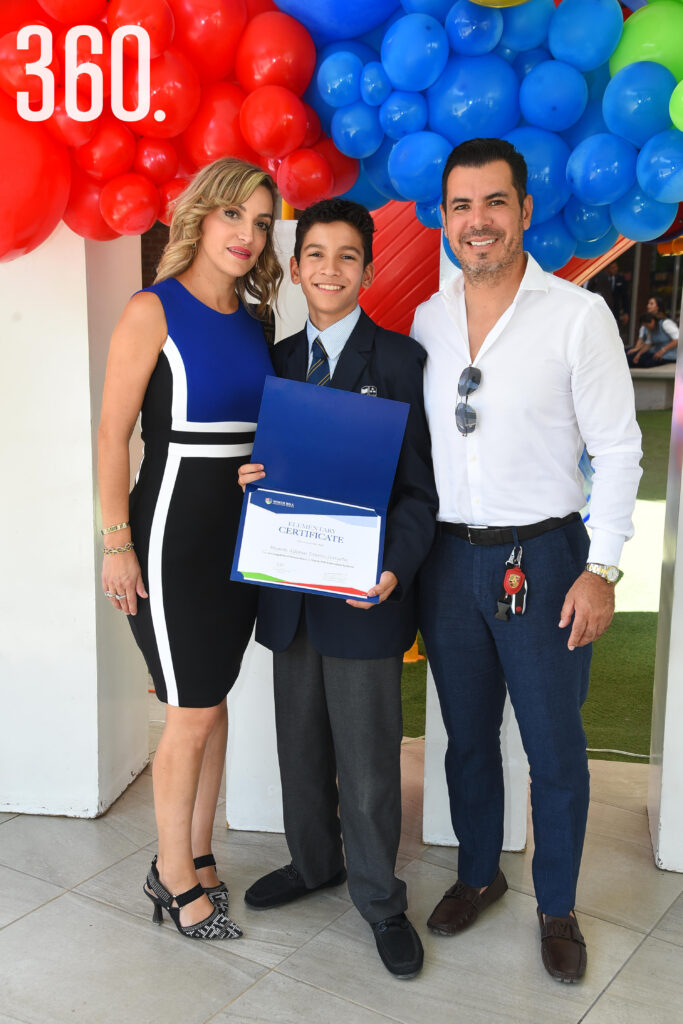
x=108, y=593
x=119, y=597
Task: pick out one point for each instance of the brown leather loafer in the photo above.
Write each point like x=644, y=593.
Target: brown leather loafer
x=563, y=947
x=462, y=904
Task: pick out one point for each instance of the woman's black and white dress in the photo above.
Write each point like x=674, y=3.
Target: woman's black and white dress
x=198, y=421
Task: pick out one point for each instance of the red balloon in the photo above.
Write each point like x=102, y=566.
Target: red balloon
x=313, y=127
x=13, y=77
x=111, y=150
x=64, y=129
x=130, y=204
x=304, y=177
x=157, y=159
x=208, y=31
x=34, y=183
x=82, y=213
x=273, y=120
x=215, y=129
x=174, y=91
x=155, y=16
x=84, y=55
x=255, y=7
x=17, y=13
x=275, y=50
x=344, y=168
x=74, y=12
x=169, y=193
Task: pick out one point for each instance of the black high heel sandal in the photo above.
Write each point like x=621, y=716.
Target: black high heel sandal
x=216, y=926
x=218, y=894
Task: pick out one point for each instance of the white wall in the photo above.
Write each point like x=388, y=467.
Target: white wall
x=665, y=795
x=73, y=726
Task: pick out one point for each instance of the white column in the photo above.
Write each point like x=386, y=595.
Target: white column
x=665, y=795
x=73, y=726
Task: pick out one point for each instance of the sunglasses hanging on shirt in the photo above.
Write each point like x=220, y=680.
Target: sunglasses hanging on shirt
x=465, y=415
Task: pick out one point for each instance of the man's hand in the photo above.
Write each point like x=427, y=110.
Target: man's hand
x=387, y=583
x=658, y=354
x=249, y=473
x=591, y=601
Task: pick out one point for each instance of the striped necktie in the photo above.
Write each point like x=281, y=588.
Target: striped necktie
x=319, y=372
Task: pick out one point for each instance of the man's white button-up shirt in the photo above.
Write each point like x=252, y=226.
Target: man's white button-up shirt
x=553, y=377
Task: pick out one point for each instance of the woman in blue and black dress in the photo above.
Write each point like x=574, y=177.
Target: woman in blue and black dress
x=190, y=354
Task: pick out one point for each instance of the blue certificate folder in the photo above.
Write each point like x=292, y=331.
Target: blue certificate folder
x=320, y=445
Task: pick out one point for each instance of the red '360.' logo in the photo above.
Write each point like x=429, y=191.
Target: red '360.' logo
x=75, y=70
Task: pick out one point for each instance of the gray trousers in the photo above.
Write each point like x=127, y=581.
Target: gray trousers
x=339, y=730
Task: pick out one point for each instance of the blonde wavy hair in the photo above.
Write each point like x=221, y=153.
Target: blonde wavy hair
x=225, y=182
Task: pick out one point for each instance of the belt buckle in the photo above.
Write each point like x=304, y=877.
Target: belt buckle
x=476, y=529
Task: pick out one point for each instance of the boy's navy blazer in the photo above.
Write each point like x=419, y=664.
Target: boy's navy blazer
x=392, y=363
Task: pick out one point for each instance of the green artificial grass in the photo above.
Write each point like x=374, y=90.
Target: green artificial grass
x=618, y=710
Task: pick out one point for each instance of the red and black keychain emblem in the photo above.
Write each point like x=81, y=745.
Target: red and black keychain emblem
x=512, y=599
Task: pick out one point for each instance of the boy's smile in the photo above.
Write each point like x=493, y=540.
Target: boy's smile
x=330, y=271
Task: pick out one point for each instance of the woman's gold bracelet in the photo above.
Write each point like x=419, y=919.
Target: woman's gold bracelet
x=114, y=529
x=119, y=551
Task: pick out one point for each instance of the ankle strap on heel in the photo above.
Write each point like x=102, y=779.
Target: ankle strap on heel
x=183, y=898
x=206, y=861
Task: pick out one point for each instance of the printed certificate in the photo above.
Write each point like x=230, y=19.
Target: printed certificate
x=316, y=522
x=310, y=544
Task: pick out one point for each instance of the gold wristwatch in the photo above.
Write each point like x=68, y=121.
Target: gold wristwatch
x=611, y=573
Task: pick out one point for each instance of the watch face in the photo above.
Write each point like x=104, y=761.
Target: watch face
x=612, y=573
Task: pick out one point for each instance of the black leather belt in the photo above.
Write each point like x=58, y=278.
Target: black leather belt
x=503, y=534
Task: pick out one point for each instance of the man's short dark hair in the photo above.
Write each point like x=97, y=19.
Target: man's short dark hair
x=477, y=153
x=647, y=318
x=328, y=211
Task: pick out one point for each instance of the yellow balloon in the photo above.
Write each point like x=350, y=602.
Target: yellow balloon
x=500, y=3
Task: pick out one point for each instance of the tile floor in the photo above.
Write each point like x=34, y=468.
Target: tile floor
x=77, y=943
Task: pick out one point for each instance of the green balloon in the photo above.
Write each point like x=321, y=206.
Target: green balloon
x=676, y=106
x=652, y=33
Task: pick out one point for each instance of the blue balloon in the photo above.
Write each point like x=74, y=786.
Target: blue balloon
x=585, y=33
x=660, y=167
x=365, y=193
x=506, y=53
x=553, y=96
x=473, y=29
x=416, y=164
x=375, y=168
x=476, y=97
x=591, y=250
x=637, y=216
x=374, y=84
x=601, y=169
x=546, y=158
x=328, y=19
x=429, y=213
x=403, y=113
x=527, y=60
x=437, y=8
x=356, y=130
x=376, y=35
x=312, y=95
x=596, y=81
x=586, y=223
x=414, y=52
x=550, y=243
x=526, y=25
x=636, y=101
x=338, y=79
x=590, y=123
x=449, y=252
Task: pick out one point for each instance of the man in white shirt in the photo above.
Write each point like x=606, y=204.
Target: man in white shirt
x=523, y=368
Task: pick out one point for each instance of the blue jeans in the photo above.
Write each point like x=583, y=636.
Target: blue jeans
x=472, y=656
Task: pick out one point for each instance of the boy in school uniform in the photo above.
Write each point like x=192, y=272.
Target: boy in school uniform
x=337, y=665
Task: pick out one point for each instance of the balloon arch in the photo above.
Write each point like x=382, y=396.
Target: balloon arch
x=343, y=98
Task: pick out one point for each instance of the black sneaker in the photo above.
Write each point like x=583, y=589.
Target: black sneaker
x=399, y=946
x=283, y=886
